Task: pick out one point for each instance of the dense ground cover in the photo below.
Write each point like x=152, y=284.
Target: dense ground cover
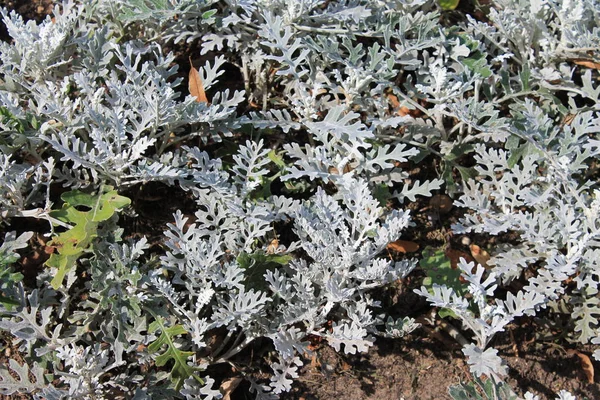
x=332, y=173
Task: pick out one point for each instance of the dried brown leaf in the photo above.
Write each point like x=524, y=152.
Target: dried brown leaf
x=403, y=246
x=273, y=246
x=587, y=63
x=228, y=386
x=347, y=168
x=196, y=86
x=586, y=364
x=345, y=366
x=568, y=119
x=480, y=255
x=455, y=255
x=400, y=110
x=315, y=364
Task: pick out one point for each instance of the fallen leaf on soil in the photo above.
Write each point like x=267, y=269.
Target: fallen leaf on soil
x=315, y=364
x=403, y=246
x=346, y=366
x=455, y=255
x=441, y=203
x=586, y=364
x=196, y=86
x=587, y=63
x=401, y=111
x=480, y=255
x=228, y=386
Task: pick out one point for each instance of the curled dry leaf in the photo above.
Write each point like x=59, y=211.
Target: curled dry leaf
x=273, y=246
x=480, y=255
x=586, y=364
x=228, y=387
x=587, y=63
x=196, y=86
x=403, y=246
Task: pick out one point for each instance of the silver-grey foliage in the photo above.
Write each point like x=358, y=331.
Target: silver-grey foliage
x=339, y=98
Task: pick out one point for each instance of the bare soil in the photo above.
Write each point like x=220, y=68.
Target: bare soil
x=421, y=368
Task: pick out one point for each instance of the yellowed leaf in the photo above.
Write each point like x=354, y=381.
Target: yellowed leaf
x=196, y=86
x=228, y=387
x=480, y=255
x=403, y=246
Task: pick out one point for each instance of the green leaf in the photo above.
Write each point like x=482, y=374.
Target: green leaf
x=446, y=312
x=102, y=207
x=257, y=264
x=478, y=65
x=447, y=5
x=253, y=260
x=75, y=240
x=73, y=243
x=467, y=173
x=208, y=14
x=448, y=177
x=382, y=194
x=517, y=154
x=69, y=246
x=8, y=278
x=63, y=264
x=180, y=370
x=525, y=75
x=277, y=159
x=505, y=82
x=439, y=271
x=420, y=156
x=459, y=150
x=479, y=390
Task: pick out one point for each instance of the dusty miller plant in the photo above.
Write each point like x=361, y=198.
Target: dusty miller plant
x=90, y=98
